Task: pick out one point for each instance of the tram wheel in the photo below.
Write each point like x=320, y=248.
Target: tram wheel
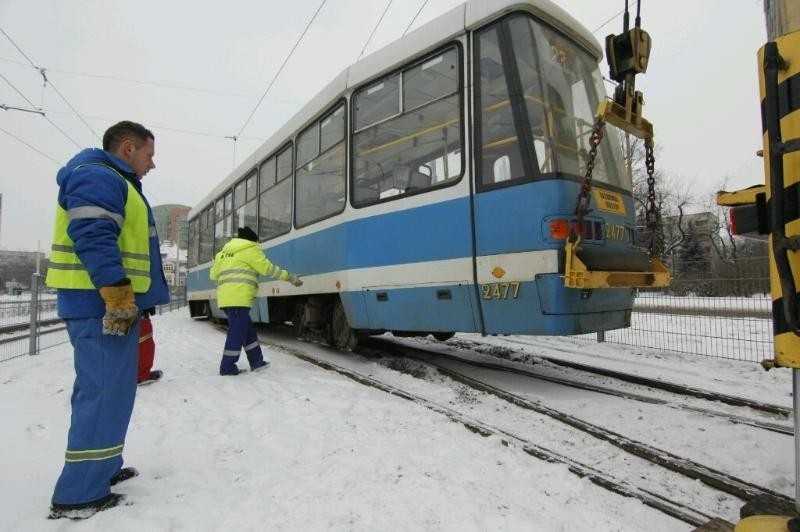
x=299, y=320
x=443, y=336
x=342, y=336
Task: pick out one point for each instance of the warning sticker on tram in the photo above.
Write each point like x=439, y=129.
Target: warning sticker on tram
x=609, y=201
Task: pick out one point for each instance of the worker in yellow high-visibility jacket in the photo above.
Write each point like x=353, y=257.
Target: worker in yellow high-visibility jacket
x=235, y=271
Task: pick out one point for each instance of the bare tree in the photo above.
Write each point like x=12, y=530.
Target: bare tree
x=673, y=199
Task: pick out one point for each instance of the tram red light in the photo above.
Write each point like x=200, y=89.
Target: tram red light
x=559, y=229
x=748, y=220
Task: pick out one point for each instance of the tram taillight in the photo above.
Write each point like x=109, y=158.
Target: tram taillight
x=748, y=210
x=560, y=229
x=748, y=220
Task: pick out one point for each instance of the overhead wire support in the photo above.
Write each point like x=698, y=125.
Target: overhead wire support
x=388, y=5
x=234, y=138
x=278, y=73
x=43, y=73
x=5, y=107
x=44, y=76
x=43, y=115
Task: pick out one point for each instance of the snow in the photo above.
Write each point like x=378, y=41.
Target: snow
x=296, y=447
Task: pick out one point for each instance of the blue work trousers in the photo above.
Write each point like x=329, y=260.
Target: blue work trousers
x=241, y=335
x=102, y=403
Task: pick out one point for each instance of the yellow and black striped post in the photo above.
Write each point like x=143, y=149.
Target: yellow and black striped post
x=779, y=80
x=779, y=83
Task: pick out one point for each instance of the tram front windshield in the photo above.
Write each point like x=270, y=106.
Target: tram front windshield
x=537, y=88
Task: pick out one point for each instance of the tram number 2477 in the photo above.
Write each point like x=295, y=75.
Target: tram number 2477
x=500, y=290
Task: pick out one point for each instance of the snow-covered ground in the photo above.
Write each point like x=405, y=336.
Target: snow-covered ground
x=300, y=448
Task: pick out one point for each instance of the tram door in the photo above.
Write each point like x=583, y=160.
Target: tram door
x=506, y=203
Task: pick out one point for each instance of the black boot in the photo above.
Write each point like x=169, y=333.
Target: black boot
x=124, y=474
x=84, y=510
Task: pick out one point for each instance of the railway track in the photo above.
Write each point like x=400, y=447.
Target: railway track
x=670, y=484
x=16, y=327
x=11, y=329
x=717, y=479
x=659, y=502
x=676, y=388
x=772, y=410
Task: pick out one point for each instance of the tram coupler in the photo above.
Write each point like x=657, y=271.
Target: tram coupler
x=578, y=275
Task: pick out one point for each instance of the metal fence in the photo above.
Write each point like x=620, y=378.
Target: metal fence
x=712, y=308
x=29, y=322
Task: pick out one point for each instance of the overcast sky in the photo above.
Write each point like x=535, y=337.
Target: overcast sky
x=193, y=74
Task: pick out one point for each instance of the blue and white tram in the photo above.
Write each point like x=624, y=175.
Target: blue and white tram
x=429, y=188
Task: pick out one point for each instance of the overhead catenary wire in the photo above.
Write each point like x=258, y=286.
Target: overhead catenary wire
x=278, y=73
x=157, y=127
x=37, y=150
x=44, y=76
x=607, y=22
x=147, y=83
x=388, y=5
x=415, y=16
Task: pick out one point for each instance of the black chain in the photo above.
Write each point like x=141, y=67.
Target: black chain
x=582, y=208
x=652, y=214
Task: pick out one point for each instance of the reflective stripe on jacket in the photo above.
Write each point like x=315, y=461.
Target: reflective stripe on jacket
x=65, y=269
x=236, y=269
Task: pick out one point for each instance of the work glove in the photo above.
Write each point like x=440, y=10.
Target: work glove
x=295, y=280
x=121, y=311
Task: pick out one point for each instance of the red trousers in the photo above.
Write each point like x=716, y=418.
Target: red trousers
x=147, y=348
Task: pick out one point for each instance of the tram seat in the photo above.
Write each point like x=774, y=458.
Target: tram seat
x=418, y=181
x=407, y=180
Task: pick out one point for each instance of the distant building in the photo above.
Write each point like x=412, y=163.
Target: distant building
x=17, y=268
x=694, y=252
x=698, y=230
x=173, y=261
x=171, y=224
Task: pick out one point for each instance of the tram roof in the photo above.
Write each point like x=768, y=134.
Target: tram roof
x=427, y=37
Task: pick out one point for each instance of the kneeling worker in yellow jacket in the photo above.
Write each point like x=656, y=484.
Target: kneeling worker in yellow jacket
x=235, y=271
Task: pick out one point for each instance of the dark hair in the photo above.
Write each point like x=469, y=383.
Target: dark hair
x=114, y=135
x=247, y=233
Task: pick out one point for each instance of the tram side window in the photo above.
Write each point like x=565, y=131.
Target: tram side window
x=320, y=187
x=245, y=202
x=378, y=102
x=194, y=242
x=239, y=196
x=500, y=155
x=420, y=147
x=275, y=198
x=266, y=174
x=206, y=252
x=223, y=228
x=284, y=169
